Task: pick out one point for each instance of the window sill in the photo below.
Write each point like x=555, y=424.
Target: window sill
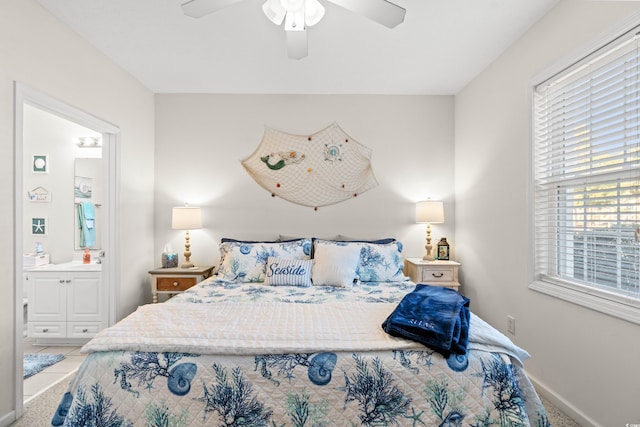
x=605, y=302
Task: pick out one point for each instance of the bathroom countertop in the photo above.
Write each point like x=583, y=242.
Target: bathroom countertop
x=67, y=266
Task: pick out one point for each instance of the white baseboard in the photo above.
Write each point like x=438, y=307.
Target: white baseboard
x=563, y=405
x=8, y=419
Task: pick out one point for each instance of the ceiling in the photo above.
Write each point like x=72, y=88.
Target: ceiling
x=437, y=50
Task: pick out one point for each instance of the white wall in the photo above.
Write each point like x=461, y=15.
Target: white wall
x=587, y=358
x=40, y=52
x=201, y=139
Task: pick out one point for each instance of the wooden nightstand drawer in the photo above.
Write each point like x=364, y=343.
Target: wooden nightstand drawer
x=437, y=273
x=440, y=275
x=171, y=281
x=175, y=283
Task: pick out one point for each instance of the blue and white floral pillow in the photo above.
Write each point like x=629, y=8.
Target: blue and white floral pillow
x=247, y=261
x=379, y=262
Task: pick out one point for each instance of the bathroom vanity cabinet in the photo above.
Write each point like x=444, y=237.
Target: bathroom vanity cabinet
x=64, y=306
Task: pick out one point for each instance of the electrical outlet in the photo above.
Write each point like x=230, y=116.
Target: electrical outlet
x=511, y=325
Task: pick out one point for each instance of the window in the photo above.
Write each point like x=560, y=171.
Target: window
x=586, y=122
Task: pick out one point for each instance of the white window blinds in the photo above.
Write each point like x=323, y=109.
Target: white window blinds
x=587, y=172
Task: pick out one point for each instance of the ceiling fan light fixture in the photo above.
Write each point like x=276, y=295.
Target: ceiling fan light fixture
x=297, y=14
x=274, y=11
x=297, y=47
x=294, y=21
x=292, y=5
x=313, y=12
x=300, y=14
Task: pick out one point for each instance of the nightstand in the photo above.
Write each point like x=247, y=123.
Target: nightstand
x=437, y=273
x=176, y=280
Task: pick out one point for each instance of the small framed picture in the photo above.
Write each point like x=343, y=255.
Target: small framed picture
x=40, y=163
x=39, y=195
x=39, y=226
x=83, y=187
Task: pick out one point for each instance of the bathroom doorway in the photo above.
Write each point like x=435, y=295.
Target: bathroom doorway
x=50, y=179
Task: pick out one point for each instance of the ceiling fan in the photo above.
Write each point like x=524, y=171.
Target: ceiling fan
x=297, y=15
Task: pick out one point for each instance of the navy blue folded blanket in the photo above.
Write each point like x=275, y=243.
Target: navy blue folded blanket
x=434, y=316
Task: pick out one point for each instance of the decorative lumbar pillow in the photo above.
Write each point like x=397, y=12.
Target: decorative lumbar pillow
x=288, y=272
x=335, y=265
x=247, y=262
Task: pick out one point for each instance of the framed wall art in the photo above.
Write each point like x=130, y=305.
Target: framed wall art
x=83, y=187
x=40, y=163
x=39, y=194
x=39, y=226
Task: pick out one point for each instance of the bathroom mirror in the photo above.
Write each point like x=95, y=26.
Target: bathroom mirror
x=87, y=209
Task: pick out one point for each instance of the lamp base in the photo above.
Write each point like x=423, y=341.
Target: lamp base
x=428, y=247
x=187, y=252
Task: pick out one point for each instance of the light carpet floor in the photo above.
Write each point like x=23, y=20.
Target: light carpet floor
x=40, y=409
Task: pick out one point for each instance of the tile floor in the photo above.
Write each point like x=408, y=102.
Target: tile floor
x=45, y=378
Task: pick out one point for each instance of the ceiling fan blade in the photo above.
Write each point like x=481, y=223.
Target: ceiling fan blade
x=382, y=11
x=297, y=47
x=200, y=8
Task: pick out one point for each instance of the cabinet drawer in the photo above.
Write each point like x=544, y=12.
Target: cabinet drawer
x=175, y=283
x=82, y=330
x=437, y=275
x=47, y=329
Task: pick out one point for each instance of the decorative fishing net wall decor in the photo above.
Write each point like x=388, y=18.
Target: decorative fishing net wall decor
x=315, y=170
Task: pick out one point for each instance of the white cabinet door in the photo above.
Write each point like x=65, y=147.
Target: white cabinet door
x=65, y=305
x=47, y=297
x=83, y=298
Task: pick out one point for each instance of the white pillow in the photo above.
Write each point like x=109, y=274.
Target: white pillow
x=335, y=265
x=288, y=272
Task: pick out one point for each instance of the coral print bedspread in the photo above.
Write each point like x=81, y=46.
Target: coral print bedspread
x=244, y=354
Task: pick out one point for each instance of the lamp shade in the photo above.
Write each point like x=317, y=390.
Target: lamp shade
x=430, y=211
x=186, y=218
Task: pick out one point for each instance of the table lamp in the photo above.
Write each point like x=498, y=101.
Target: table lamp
x=186, y=218
x=429, y=212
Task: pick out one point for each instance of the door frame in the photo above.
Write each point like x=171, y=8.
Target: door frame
x=110, y=155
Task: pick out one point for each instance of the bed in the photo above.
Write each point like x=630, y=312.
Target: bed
x=276, y=338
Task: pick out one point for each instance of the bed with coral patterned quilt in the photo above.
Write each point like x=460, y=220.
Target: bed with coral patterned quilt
x=249, y=348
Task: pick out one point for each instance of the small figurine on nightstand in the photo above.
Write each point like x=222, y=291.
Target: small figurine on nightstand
x=443, y=249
